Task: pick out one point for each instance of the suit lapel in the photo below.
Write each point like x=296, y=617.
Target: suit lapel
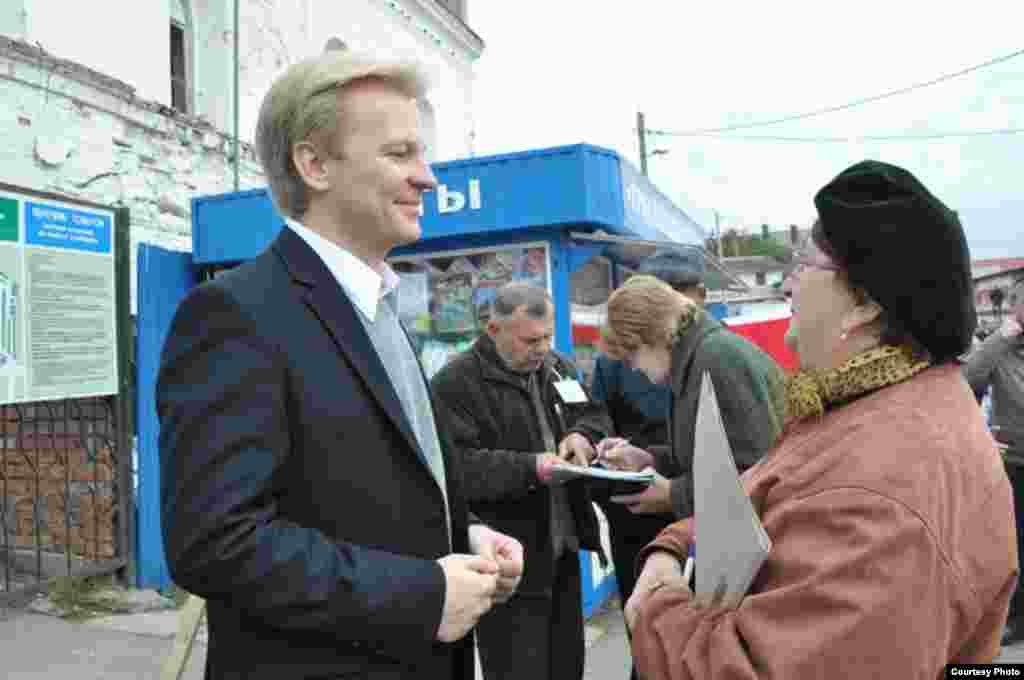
x=325, y=297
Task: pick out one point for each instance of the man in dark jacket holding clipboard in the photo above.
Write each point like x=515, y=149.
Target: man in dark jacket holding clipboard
x=514, y=408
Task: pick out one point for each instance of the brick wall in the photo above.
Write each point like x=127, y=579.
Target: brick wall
x=54, y=490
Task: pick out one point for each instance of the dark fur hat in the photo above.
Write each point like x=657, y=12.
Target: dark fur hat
x=906, y=249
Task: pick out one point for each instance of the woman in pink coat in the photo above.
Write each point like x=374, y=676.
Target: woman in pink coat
x=887, y=502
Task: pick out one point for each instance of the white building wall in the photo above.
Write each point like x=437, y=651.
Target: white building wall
x=89, y=117
x=403, y=29
x=272, y=35
x=128, y=41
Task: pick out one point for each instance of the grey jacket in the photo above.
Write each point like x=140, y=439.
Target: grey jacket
x=998, y=363
x=749, y=387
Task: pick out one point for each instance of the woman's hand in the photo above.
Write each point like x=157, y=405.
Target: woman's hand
x=661, y=570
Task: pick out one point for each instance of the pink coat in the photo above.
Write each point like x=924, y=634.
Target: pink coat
x=894, y=550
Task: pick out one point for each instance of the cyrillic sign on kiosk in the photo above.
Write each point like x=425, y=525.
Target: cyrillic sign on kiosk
x=452, y=201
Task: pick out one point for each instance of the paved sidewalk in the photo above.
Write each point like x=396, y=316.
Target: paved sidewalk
x=131, y=647
x=37, y=647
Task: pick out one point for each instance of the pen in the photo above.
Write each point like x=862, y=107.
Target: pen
x=690, y=563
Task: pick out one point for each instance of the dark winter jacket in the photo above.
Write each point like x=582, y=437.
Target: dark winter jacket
x=749, y=388
x=496, y=436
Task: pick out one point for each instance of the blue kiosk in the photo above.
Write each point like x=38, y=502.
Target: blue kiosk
x=544, y=215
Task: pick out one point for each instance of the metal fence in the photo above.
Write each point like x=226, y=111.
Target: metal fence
x=65, y=493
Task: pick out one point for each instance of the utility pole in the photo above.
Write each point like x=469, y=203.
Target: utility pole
x=642, y=131
x=718, y=236
x=235, y=93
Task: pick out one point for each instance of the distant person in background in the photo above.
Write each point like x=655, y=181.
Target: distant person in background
x=997, y=363
x=639, y=412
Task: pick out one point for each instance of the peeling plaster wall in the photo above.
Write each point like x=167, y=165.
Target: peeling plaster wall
x=272, y=35
x=276, y=33
x=140, y=57
x=70, y=132
x=129, y=41
x=76, y=119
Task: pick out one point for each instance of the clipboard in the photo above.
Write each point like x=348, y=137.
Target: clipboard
x=603, y=482
x=732, y=542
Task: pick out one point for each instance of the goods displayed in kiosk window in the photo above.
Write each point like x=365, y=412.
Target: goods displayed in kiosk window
x=494, y=273
x=462, y=265
x=452, y=302
x=534, y=263
x=445, y=301
x=496, y=269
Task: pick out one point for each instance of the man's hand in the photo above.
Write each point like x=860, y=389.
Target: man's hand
x=660, y=570
x=656, y=498
x=545, y=474
x=471, y=583
x=621, y=455
x=505, y=551
x=575, y=448
x=1011, y=328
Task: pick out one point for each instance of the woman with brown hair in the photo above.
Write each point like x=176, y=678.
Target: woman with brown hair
x=667, y=336
x=890, y=513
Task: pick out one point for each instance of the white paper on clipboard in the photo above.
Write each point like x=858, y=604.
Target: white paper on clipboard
x=731, y=543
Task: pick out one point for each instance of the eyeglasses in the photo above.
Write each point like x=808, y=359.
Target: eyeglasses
x=807, y=262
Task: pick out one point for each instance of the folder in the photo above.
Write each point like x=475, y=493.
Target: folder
x=603, y=482
x=731, y=542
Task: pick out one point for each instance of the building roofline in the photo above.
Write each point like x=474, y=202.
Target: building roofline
x=452, y=23
x=447, y=10
x=1011, y=271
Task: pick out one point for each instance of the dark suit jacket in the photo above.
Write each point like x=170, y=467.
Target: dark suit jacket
x=295, y=498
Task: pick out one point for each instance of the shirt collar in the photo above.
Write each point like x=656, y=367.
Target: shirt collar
x=365, y=285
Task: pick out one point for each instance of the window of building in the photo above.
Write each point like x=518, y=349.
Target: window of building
x=181, y=34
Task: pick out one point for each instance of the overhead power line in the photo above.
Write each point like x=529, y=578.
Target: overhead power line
x=866, y=138
x=841, y=107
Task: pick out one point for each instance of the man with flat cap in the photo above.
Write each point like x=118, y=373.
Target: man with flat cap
x=891, y=518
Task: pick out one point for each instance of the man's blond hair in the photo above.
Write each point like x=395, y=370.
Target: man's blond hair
x=645, y=311
x=302, y=105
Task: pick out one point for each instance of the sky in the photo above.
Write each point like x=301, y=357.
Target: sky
x=570, y=71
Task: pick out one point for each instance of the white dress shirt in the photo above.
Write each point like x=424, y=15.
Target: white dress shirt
x=364, y=285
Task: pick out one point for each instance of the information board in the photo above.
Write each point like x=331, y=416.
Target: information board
x=58, y=311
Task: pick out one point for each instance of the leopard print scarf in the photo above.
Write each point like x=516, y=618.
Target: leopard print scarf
x=810, y=392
